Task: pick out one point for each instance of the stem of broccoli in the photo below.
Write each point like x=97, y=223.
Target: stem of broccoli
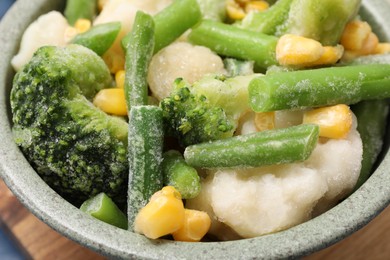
x=179, y=174
x=271, y=147
x=99, y=38
x=235, y=42
x=139, y=52
x=146, y=136
x=103, y=208
x=77, y=9
x=319, y=87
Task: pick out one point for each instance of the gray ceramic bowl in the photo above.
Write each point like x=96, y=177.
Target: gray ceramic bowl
x=303, y=239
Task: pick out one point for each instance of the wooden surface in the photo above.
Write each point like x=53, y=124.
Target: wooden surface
x=41, y=242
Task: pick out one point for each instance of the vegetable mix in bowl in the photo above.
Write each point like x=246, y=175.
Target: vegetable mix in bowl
x=183, y=118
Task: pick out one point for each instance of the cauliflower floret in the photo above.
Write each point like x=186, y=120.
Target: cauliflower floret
x=263, y=200
x=181, y=60
x=48, y=29
x=124, y=11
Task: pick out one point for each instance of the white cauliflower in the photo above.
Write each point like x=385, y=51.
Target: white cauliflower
x=48, y=29
x=263, y=200
x=124, y=11
x=184, y=60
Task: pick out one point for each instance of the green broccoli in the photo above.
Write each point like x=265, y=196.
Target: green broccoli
x=76, y=148
x=322, y=20
x=207, y=110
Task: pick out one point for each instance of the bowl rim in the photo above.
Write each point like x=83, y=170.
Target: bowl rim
x=363, y=205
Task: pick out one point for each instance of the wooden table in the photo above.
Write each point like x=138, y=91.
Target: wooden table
x=41, y=242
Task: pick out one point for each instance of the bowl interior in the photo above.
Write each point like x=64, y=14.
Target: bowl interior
x=41, y=200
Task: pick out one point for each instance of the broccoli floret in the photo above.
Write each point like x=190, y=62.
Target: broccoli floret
x=207, y=110
x=191, y=118
x=76, y=148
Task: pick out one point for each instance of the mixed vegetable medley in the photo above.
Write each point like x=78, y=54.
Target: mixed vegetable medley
x=181, y=118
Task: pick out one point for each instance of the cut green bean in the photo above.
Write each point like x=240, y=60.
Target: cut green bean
x=80, y=9
x=179, y=174
x=146, y=136
x=319, y=87
x=99, y=38
x=270, y=147
x=268, y=21
x=174, y=20
x=372, y=120
x=139, y=53
x=103, y=208
x=228, y=40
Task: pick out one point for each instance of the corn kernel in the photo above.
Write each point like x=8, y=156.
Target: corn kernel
x=265, y=121
x=297, y=50
x=382, y=48
x=369, y=45
x=256, y=6
x=70, y=33
x=82, y=25
x=163, y=215
x=196, y=225
x=114, y=61
x=330, y=56
x=354, y=35
x=120, y=79
x=234, y=10
x=334, y=121
x=111, y=101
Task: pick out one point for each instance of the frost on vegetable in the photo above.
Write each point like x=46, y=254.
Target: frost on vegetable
x=74, y=146
x=48, y=29
x=287, y=195
x=181, y=60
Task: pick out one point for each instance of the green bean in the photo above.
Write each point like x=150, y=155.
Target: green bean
x=319, y=87
x=78, y=9
x=145, y=156
x=269, y=20
x=103, y=208
x=99, y=38
x=179, y=174
x=139, y=53
x=228, y=40
x=270, y=147
x=372, y=119
x=174, y=20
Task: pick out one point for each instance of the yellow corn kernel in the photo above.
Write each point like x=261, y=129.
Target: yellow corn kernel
x=196, y=225
x=234, y=10
x=120, y=79
x=163, y=215
x=334, y=121
x=111, y=101
x=70, y=33
x=265, y=121
x=297, y=50
x=256, y=6
x=82, y=25
x=369, y=45
x=330, y=56
x=382, y=48
x=354, y=35
x=114, y=61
